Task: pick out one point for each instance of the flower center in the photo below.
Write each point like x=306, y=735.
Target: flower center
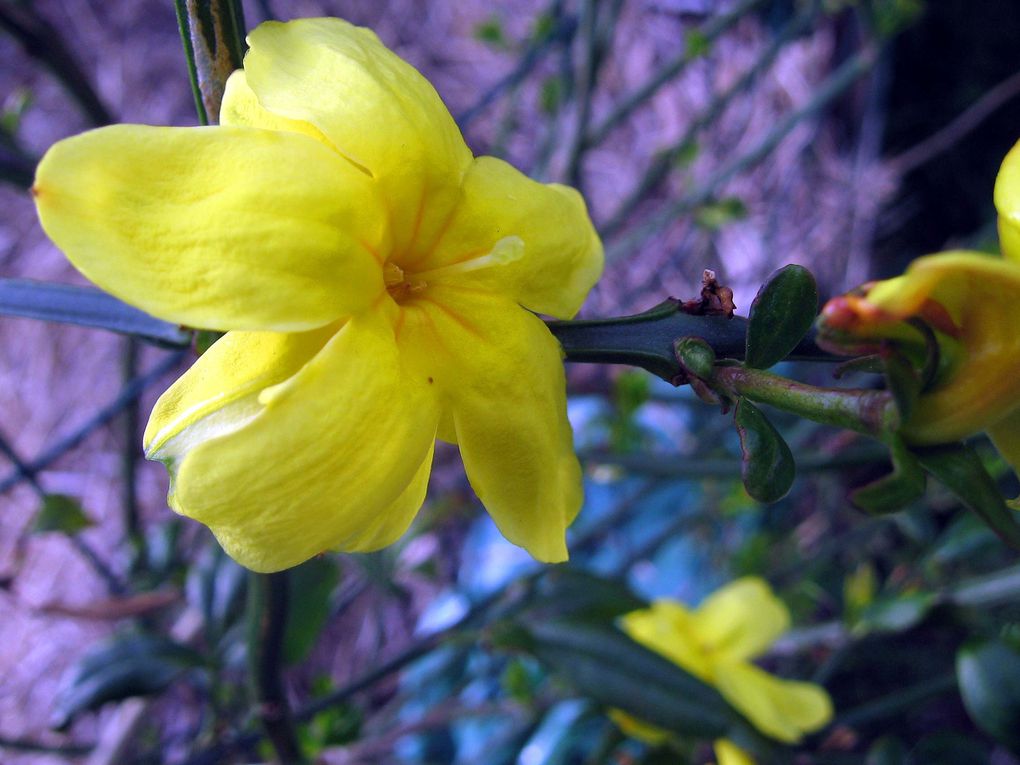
x=403, y=284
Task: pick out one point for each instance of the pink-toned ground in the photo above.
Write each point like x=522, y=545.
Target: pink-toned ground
x=809, y=202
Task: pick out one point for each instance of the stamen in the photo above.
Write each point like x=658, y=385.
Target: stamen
x=507, y=250
x=392, y=274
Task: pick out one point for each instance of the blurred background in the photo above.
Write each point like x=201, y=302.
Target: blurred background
x=736, y=135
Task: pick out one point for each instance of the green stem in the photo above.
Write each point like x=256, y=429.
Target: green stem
x=212, y=32
x=865, y=411
x=133, y=529
x=267, y=622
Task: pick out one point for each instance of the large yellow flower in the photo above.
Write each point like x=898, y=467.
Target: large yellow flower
x=715, y=642
x=971, y=301
x=377, y=284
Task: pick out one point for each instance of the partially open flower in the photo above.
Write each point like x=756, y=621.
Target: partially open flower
x=969, y=304
x=377, y=283
x=716, y=642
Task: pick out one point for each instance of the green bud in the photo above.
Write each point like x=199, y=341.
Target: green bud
x=695, y=356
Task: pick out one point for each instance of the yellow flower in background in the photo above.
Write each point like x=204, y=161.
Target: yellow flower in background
x=377, y=284
x=972, y=301
x=716, y=642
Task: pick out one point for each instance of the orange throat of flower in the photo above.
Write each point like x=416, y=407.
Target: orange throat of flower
x=403, y=285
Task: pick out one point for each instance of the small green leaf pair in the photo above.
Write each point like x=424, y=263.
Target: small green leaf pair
x=780, y=316
x=136, y=665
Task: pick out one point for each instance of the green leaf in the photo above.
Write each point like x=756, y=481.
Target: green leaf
x=13, y=109
x=780, y=316
x=551, y=95
x=570, y=593
x=767, y=469
x=888, y=750
x=216, y=587
x=903, y=380
x=897, y=613
x=686, y=153
x=543, y=27
x=204, y=339
x=893, y=492
x=631, y=391
x=696, y=43
x=521, y=680
x=989, y=677
x=960, y=469
x=491, y=32
x=85, y=307
x=311, y=587
x=62, y=513
x=610, y=668
x=713, y=216
x=138, y=665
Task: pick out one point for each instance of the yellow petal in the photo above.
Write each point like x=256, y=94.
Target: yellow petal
x=562, y=257
x=1007, y=203
x=638, y=729
x=499, y=371
x=982, y=296
x=782, y=709
x=241, y=108
x=973, y=299
x=220, y=391
x=740, y=620
x=728, y=753
x=326, y=461
x=374, y=107
x=221, y=228
x=666, y=628
x=392, y=522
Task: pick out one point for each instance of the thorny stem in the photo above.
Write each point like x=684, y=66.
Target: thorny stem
x=646, y=340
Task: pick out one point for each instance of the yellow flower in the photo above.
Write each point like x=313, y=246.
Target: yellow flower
x=972, y=301
x=715, y=642
x=377, y=283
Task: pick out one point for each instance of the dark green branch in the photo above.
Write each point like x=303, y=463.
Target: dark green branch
x=267, y=622
x=646, y=340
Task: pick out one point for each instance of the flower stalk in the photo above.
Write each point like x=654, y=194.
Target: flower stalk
x=870, y=412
